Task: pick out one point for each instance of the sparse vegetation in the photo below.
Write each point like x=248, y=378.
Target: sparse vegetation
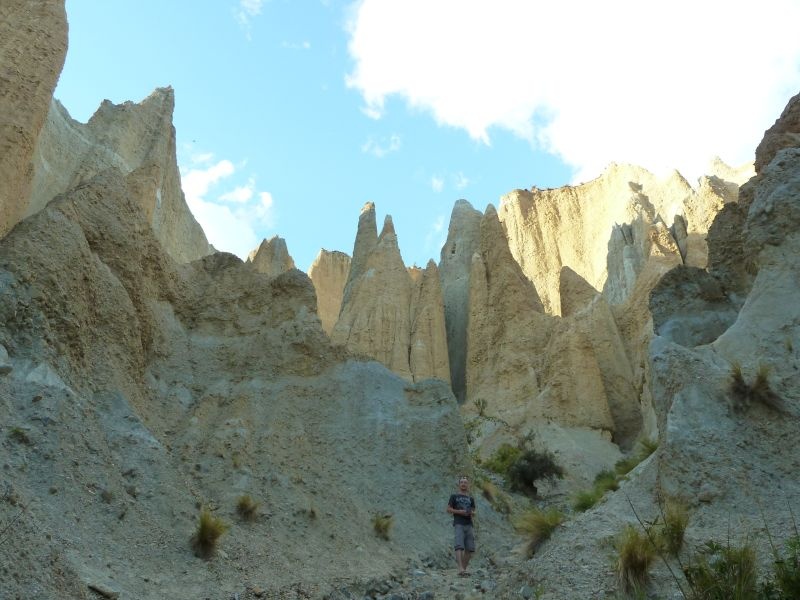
x=247, y=508
x=635, y=554
x=743, y=395
x=382, y=524
x=645, y=448
x=502, y=459
x=670, y=531
x=480, y=405
x=538, y=525
x=499, y=501
x=723, y=573
x=209, y=530
x=530, y=467
x=786, y=572
x=586, y=499
x=606, y=481
x=18, y=435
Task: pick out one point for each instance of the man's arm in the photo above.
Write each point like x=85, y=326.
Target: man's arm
x=453, y=510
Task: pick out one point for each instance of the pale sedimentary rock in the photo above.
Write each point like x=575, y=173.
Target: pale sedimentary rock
x=575, y=292
x=574, y=226
x=375, y=318
x=428, y=344
x=271, y=257
x=137, y=139
x=33, y=45
x=463, y=239
x=390, y=313
x=329, y=272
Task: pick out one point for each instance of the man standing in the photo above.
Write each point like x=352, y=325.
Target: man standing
x=462, y=506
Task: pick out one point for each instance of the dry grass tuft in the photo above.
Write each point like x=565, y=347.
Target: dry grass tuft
x=635, y=554
x=743, y=395
x=247, y=508
x=382, y=524
x=209, y=530
x=538, y=525
x=670, y=532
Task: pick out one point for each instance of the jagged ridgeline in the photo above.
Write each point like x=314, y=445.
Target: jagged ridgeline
x=175, y=422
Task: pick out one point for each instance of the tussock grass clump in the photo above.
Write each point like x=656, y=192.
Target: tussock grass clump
x=538, y=525
x=499, y=501
x=786, y=570
x=209, y=530
x=247, y=508
x=606, y=481
x=586, y=499
x=744, y=394
x=382, y=524
x=723, y=573
x=645, y=448
x=18, y=435
x=480, y=406
x=635, y=554
x=669, y=533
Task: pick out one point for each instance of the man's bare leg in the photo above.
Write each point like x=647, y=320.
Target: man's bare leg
x=460, y=561
x=465, y=558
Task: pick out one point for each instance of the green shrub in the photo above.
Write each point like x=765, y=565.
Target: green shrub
x=247, y=508
x=538, y=525
x=635, y=554
x=530, y=467
x=502, y=459
x=586, y=499
x=209, y=530
x=382, y=524
x=723, y=573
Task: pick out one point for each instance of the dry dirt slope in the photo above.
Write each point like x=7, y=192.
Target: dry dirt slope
x=142, y=389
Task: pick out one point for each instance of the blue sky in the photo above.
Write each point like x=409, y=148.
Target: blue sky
x=291, y=114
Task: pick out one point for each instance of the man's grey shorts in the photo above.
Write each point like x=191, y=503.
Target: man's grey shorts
x=465, y=540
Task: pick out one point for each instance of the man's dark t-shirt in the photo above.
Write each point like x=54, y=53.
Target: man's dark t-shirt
x=462, y=502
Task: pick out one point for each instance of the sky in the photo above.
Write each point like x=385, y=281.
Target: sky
x=291, y=114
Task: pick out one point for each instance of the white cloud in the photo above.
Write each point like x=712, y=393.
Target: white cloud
x=437, y=235
x=237, y=228
x=304, y=45
x=662, y=84
x=460, y=181
x=437, y=184
x=382, y=147
x=246, y=10
x=242, y=193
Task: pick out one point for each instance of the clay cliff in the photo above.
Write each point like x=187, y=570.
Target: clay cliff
x=271, y=257
x=725, y=450
x=571, y=226
x=387, y=315
x=329, y=273
x=134, y=138
x=33, y=46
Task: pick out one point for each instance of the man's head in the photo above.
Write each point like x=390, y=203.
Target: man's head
x=463, y=483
